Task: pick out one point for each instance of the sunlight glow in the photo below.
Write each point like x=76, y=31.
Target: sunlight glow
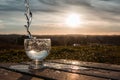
x=73, y=20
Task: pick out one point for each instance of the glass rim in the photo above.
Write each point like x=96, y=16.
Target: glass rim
x=39, y=39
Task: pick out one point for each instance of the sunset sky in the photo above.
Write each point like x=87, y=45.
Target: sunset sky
x=50, y=16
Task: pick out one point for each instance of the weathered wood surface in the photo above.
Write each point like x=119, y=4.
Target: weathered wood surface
x=63, y=70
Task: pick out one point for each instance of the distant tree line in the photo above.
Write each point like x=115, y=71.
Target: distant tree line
x=64, y=40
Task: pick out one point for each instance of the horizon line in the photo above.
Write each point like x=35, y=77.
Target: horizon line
x=68, y=34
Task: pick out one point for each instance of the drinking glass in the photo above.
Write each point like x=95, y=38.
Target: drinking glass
x=37, y=50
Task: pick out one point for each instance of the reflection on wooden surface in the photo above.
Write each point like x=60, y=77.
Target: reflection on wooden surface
x=67, y=70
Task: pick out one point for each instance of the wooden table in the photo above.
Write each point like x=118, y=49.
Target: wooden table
x=66, y=70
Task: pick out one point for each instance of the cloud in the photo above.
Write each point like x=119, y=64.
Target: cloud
x=106, y=5
x=60, y=5
x=50, y=2
x=1, y=24
x=96, y=14
x=11, y=5
x=0, y=21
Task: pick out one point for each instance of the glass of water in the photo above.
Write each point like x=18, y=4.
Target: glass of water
x=37, y=50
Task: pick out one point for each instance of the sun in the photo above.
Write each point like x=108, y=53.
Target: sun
x=72, y=20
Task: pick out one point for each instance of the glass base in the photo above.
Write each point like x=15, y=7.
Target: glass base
x=36, y=64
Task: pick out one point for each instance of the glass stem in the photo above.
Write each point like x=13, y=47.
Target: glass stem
x=37, y=64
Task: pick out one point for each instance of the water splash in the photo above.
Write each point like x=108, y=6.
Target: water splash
x=28, y=15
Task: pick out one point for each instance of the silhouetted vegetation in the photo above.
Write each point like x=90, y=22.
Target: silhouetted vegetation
x=65, y=40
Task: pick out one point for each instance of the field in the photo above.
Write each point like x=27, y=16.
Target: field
x=13, y=51
x=101, y=54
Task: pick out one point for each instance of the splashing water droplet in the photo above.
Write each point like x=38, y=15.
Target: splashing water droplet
x=28, y=15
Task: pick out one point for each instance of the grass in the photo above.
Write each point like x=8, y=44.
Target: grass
x=97, y=53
